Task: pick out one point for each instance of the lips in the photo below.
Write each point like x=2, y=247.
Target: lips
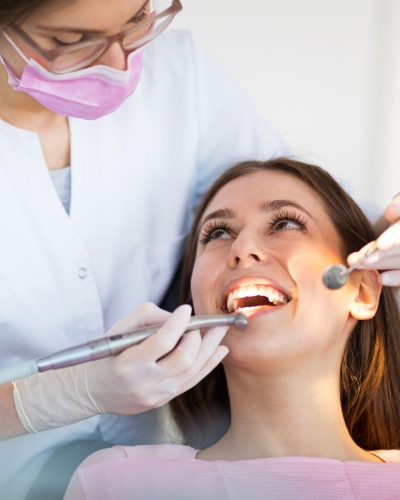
x=247, y=294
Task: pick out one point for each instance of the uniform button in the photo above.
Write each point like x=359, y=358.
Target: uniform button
x=82, y=273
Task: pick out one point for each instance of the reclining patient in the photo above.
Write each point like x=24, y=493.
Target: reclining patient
x=307, y=402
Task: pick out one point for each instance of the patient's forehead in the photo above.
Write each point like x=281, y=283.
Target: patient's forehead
x=248, y=190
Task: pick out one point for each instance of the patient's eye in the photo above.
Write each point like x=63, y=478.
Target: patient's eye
x=288, y=221
x=215, y=230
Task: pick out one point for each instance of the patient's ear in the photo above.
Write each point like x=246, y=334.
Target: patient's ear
x=367, y=290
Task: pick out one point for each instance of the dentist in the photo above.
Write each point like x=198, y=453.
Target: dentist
x=107, y=141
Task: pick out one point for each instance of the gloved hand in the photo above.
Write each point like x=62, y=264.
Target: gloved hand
x=140, y=378
x=386, y=257
x=163, y=366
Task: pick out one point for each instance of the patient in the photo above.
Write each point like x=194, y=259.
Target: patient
x=307, y=402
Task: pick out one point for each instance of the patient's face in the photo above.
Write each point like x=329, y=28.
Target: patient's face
x=262, y=251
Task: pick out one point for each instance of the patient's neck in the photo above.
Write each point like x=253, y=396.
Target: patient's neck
x=297, y=415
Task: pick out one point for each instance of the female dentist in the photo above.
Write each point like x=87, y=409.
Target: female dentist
x=106, y=144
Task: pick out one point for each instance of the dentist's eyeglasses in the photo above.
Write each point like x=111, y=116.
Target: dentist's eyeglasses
x=154, y=17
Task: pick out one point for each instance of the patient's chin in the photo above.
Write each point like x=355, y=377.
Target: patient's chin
x=257, y=346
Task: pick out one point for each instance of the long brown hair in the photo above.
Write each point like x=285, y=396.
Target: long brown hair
x=370, y=371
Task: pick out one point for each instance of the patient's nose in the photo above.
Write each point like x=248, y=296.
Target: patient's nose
x=245, y=251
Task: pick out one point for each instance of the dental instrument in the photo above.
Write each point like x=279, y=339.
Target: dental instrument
x=103, y=347
x=336, y=276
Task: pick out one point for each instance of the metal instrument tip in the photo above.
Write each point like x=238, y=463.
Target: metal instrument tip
x=241, y=321
x=335, y=276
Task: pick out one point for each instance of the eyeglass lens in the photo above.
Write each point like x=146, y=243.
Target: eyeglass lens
x=148, y=28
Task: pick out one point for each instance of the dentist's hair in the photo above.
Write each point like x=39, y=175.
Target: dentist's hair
x=370, y=371
x=14, y=11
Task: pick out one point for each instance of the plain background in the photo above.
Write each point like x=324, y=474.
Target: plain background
x=325, y=73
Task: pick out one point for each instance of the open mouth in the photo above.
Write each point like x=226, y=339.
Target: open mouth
x=252, y=298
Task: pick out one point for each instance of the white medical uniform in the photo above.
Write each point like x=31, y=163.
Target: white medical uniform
x=136, y=175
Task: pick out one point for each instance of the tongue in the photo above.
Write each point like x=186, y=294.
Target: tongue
x=257, y=300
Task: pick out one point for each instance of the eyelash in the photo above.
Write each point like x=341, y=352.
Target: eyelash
x=140, y=17
x=286, y=215
x=277, y=217
x=210, y=227
x=60, y=43
x=142, y=14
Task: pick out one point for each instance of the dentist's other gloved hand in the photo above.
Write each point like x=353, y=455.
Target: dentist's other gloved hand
x=386, y=257
x=140, y=378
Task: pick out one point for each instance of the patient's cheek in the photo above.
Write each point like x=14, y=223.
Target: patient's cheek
x=198, y=292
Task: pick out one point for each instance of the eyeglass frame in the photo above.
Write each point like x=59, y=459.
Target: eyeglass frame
x=50, y=55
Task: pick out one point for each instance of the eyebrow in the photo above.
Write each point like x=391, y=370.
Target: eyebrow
x=66, y=29
x=265, y=206
x=273, y=205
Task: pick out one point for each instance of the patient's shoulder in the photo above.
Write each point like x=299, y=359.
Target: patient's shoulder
x=166, y=451
x=389, y=456
x=111, y=472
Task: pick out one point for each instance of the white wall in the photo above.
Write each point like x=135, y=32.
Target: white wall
x=326, y=73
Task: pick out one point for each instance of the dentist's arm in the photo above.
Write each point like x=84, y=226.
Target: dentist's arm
x=141, y=378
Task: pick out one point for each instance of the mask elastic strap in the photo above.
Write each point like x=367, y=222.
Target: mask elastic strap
x=15, y=47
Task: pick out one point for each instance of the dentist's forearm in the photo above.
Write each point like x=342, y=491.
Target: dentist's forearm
x=10, y=424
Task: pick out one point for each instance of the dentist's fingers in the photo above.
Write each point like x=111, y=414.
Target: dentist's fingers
x=175, y=376
x=387, y=261
x=385, y=254
x=167, y=337
x=210, y=343
x=390, y=238
x=172, y=387
x=210, y=356
x=357, y=259
x=147, y=314
x=218, y=355
x=381, y=260
x=178, y=359
x=392, y=211
x=390, y=278
x=385, y=257
x=150, y=374
x=183, y=356
x=387, y=246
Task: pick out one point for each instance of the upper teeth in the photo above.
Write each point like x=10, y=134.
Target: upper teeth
x=253, y=290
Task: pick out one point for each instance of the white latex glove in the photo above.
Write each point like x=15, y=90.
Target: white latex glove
x=164, y=365
x=387, y=256
x=142, y=377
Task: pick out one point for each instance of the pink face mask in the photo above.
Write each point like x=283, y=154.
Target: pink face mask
x=88, y=93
